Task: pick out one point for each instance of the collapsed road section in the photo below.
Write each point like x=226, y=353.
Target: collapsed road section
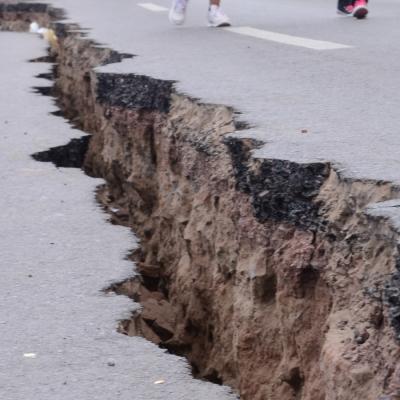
x=272, y=277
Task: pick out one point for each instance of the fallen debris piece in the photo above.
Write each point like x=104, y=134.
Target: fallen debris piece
x=160, y=382
x=34, y=27
x=111, y=363
x=160, y=316
x=48, y=34
x=30, y=355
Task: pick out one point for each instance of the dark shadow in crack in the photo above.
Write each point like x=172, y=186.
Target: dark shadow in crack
x=71, y=155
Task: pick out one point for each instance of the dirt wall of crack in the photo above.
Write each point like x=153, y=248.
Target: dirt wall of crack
x=267, y=275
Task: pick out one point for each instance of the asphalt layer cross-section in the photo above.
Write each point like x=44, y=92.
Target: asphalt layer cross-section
x=58, y=338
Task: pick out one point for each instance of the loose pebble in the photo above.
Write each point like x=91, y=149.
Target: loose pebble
x=111, y=363
x=30, y=355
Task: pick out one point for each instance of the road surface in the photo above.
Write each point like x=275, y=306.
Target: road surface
x=57, y=329
x=337, y=102
x=346, y=99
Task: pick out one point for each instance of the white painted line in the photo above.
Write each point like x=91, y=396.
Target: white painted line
x=152, y=7
x=286, y=39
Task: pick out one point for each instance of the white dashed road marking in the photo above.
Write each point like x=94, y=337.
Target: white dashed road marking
x=266, y=35
x=153, y=7
x=287, y=39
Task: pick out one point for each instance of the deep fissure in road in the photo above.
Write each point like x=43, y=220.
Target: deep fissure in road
x=267, y=275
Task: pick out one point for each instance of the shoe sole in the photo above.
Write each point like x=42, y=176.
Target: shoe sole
x=360, y=12
x=175, y=22
x=343, y=13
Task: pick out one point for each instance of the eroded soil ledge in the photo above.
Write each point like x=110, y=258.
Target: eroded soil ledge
x=267, y=275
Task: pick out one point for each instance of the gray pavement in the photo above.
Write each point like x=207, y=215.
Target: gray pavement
x=57, y=329
x=346, y=99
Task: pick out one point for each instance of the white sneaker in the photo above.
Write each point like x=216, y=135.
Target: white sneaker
x=177, y=12
x=217, y=18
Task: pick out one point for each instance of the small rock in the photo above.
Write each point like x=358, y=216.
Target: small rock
x=362, y=374
x=111, y=363
x=361, y=337
x=34, y=27
x=342, y=324
x=160, y=314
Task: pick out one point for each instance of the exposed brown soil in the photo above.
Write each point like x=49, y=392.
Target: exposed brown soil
x=267, y=275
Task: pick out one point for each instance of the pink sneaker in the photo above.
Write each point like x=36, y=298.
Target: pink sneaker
x=344, y=8
x=360, y=10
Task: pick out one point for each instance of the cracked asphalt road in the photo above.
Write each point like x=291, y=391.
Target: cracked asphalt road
x=57, y=251
x=55, y=242
x=346, y=99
